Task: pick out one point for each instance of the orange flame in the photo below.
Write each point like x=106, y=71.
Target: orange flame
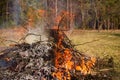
x=63, y=56
x=85, y=67
x=41, y=12
x=63, y=18
x=64, y=59
x=7, y=59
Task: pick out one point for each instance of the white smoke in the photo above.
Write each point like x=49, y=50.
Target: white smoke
x=38, y=32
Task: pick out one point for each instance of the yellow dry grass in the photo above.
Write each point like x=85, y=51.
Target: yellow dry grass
x=98, y=44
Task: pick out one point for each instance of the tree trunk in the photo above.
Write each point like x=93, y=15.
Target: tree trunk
x=97, y=19
x=108, y=25
x=83, y=15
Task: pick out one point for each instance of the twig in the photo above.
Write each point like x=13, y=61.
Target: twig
x=12, y=41
x=23, y=38
x=87, y=42
x=92, y=41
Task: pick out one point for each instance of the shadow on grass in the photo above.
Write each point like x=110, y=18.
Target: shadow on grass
x=115, y=75
x=116, y=34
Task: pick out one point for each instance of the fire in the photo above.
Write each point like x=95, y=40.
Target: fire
x=38, y=14
x=64, y=61
x=41, y=12
x=68, y=57
x=85, y=67
x=62, y=19
x=7, y=59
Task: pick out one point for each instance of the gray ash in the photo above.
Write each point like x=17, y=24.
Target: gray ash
x=28, y=62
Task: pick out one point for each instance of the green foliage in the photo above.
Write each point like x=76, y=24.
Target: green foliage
x=90, y=10
x=104, y=10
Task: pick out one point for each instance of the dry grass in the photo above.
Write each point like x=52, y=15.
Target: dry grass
x=98, y=44
x=11, y=35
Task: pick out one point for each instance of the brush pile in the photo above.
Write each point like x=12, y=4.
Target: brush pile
x=55, y=59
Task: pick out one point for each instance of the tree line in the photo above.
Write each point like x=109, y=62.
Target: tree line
x=97, y=14
x=88, y=14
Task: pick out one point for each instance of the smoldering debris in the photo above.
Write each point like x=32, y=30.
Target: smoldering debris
x=31, y=61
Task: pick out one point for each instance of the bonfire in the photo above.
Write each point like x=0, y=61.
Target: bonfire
x=53, y=58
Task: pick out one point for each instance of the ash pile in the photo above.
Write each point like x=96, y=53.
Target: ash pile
x=27, y=62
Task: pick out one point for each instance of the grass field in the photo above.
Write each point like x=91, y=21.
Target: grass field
x=98, y=44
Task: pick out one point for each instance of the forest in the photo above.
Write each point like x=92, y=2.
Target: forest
x=88, y=14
